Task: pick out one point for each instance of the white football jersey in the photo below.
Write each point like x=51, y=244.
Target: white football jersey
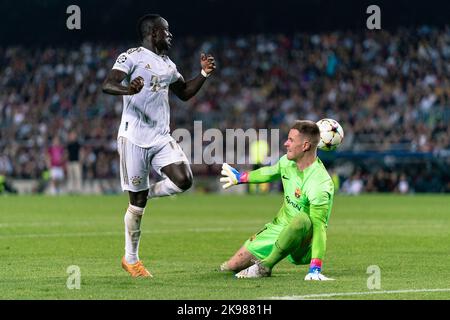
x=146, y=115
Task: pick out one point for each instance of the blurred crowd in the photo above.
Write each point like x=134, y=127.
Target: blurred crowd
x=388, y=90
x=408, y=177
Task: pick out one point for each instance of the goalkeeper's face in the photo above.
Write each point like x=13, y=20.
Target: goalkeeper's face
x=296, y=145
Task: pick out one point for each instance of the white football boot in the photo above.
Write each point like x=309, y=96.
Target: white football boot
x=255, y=271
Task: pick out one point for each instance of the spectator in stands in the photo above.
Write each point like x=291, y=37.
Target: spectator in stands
x=5, y=184
x=354, y=185
x=403, y=185
x=74, y=174
x=56, y=163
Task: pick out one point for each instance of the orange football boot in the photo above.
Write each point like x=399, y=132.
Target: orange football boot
x=136, y=270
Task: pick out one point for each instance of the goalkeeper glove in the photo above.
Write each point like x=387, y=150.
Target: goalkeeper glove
x=232, y=177
x=314, y=271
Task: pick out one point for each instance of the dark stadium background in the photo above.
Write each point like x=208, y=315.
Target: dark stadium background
x=43, y=21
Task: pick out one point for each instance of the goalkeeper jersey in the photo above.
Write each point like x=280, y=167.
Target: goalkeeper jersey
x=310, y=191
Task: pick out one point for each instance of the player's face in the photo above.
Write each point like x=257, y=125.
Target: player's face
x=296, y=145
x=163, y=38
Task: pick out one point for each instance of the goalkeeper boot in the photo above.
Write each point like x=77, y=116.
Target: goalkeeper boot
x=136, y=270
x=255, y=271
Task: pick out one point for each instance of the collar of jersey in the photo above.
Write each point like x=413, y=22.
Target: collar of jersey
x=306, y=170
x=154, y=53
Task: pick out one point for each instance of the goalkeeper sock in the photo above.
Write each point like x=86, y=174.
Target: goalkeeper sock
x=289, y=239
x=132, y=220
x=163, y=188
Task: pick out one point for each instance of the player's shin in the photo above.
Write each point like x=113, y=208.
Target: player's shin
x=163, y=188
x=289, y=240
x=132, y=220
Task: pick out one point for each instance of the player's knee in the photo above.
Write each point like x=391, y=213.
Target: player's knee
x=184, y=182
x=300, y=223
x=141, y=203
x=139, y=199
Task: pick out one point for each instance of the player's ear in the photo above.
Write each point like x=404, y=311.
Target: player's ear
x=306, y=145
x=153, y=33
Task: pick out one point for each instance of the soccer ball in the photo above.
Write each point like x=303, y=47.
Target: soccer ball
x=331, y=134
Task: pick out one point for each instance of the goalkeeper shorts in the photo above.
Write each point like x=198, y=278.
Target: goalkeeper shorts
x=260, y=245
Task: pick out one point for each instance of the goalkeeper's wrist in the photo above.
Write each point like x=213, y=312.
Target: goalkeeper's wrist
x=315, y=265
x=243, y=177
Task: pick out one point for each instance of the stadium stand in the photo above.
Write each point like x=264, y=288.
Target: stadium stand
x=390, y=91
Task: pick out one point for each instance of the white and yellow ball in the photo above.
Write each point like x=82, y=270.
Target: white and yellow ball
x=331, y=134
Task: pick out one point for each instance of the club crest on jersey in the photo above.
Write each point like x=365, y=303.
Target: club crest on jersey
x=135, y=181
x=148, y=67
x=298, y=193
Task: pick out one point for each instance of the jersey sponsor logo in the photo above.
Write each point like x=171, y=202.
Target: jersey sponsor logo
x=298, y=193
x=122, y=59
x=292, y=203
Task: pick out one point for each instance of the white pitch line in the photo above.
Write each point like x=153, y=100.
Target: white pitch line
x=31, y=224
x=59, y=235
x=343, y=294
x=113, y=233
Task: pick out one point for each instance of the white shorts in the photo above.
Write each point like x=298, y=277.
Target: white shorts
x=57, y=173
x=136, y=162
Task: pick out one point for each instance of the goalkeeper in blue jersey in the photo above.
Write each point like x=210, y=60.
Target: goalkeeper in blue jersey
x=298, y=231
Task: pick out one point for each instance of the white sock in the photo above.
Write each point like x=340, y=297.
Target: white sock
x=163, y=188
x=132, y=220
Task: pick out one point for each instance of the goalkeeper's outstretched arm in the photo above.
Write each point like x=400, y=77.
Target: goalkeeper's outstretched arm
x=233, y=177
x=318, y=213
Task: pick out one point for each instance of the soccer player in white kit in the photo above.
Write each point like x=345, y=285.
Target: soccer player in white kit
x=143, y=76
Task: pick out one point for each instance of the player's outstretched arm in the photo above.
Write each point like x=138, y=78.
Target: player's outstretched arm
x=232, y=177
x=113, y=84
x=186, y=90
x=318, y=215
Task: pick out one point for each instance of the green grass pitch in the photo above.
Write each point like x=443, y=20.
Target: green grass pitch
x=186, y=238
